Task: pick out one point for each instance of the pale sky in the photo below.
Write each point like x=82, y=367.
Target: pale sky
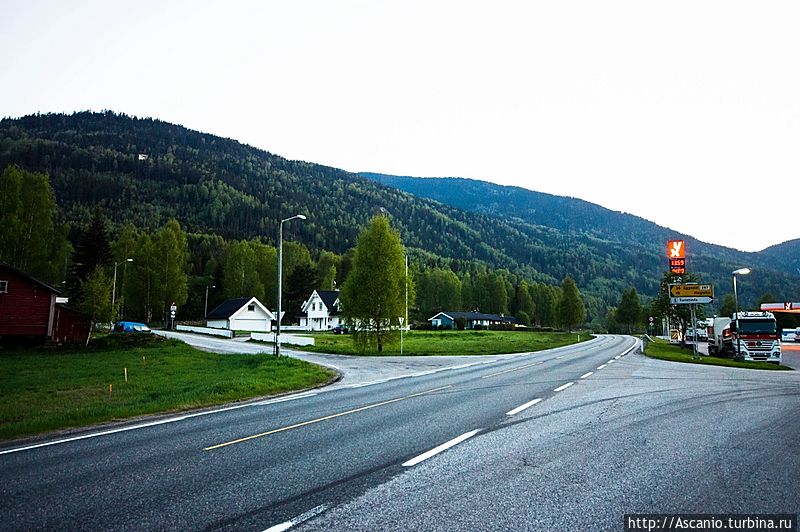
x=686, y=113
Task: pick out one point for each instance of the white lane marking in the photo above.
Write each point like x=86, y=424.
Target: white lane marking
x=617, y=357
x=154, y=423
x=512, y=369
x=297, y=520
x=587, y=374
x=369, y=383
x=421, y=373
x=611, y=361
x=439, y=449
x=563, y=387
x=284, y=399
x=601, y=367
x=522, y=407
x=559, y=358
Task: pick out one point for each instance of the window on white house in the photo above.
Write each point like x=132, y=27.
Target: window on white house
x=3, y=287
x=251, y=307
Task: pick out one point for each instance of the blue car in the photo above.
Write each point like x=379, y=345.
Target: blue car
x=131, y=327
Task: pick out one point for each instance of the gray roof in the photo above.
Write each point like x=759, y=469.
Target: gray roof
x=228, y=308
x=476, y=316
x=329, y=298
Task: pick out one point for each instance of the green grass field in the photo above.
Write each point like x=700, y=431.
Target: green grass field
x=422, y=343
x=43, y=390
x=665, y=351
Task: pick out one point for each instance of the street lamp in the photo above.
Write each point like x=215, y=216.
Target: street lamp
x=280, y=280
x=740, y=271
x=114, y=286
x=206, y=308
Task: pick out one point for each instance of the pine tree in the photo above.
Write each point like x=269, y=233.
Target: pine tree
x=92, y=251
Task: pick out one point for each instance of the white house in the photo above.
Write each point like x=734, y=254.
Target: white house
x=242, y=314
x=323, y=311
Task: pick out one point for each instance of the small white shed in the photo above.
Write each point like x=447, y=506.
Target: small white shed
x=241, y=314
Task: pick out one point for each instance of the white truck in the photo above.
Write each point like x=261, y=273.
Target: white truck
x=756, y=338
x=719, y=336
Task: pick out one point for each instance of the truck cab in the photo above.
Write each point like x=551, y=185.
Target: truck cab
x=755, y=336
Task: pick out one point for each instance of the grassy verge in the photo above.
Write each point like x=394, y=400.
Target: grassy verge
x=43, y=390
x=423, y=343
x=665, y=351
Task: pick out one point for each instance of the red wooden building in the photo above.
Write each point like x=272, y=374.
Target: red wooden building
x=31, y=310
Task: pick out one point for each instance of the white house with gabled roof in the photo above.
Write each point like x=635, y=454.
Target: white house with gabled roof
x=323, y=311
x=241, y=314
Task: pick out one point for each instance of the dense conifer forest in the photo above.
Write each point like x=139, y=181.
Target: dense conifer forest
x=229, y=197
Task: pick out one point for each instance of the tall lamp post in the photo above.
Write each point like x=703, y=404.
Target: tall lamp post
x=114, y=286
x=740, y=271
x=280, y=280
x=205, y=313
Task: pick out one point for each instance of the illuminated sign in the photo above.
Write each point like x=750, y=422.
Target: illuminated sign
x=676, y=249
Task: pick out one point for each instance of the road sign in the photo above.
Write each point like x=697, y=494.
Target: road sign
x=691, y=290
x=691, y=294
x=690, y=300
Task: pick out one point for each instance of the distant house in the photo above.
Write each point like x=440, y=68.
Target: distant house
x=323, y=311
x=242, y=314
x=32, y=311
x=448, y=319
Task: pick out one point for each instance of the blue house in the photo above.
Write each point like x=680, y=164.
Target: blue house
x=447, y=320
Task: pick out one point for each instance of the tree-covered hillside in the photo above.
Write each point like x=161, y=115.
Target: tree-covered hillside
x=147, y=172
x=624, y=233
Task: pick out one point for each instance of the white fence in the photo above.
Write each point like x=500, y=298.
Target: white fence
x=288, y=339
x=205, y=330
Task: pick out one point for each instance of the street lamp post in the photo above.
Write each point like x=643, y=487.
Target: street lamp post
x=114, y=285
x=205, y=313
x=280, y=281
x=740, y=271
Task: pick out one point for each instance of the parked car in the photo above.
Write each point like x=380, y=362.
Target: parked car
x=341, y=329
x=131, y=327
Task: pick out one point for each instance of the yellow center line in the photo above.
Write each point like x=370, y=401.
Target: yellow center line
x=513, y=369
x=332, y=416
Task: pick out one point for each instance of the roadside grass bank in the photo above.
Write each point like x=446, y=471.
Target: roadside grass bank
x=441, y=343
x=42, y=390
x=663, y=350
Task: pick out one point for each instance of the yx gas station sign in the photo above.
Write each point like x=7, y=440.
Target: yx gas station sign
x=676, y=253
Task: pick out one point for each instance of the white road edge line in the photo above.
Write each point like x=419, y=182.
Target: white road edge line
x=297, y=520
x=601, y=367
x=587, y=374
x=522, y=407
x=154, y=423
x=563, y=387
x=439, y=449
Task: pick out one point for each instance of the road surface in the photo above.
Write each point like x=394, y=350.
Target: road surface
x=566, y=439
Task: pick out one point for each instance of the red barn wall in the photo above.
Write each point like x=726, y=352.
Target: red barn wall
x=25, y=310
x=70, y=326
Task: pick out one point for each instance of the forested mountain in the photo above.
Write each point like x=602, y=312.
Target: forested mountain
x=146, y=171
x=785, y=256
x=583, y=220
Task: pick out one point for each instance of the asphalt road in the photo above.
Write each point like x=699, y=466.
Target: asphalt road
x=561, y=440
